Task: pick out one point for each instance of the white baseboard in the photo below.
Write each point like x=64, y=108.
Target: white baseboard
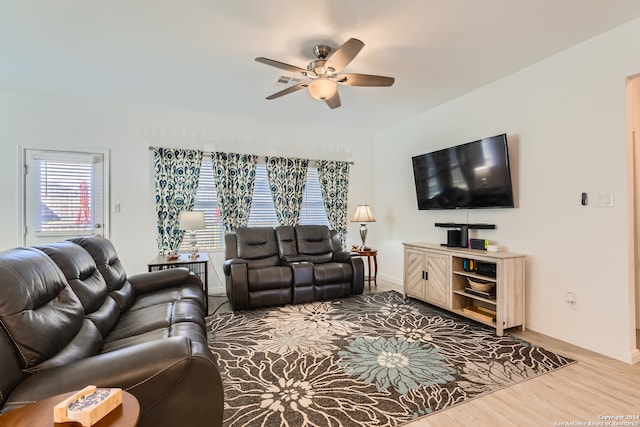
x=391, y=282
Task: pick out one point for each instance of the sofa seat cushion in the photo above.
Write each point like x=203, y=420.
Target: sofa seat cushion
x=187, y=292
x=184, y=329
x=261, y=279
x=128, y=341
x=332, y=272
x=136, y=322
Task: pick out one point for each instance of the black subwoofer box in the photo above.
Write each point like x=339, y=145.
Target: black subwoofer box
x=486, y=269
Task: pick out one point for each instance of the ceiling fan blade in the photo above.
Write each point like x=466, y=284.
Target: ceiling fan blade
x=281, y=65
x=288, y=90
x=342, y=56
x=351, y=79
x=334, y=101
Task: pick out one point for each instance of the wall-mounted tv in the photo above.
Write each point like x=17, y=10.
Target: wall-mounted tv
x=468, y=176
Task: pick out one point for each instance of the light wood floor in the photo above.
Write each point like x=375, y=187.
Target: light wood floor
x=595, y=387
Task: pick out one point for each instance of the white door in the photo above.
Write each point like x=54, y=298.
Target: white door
x=64, y=195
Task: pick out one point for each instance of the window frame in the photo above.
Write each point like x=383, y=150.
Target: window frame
x=104, y=201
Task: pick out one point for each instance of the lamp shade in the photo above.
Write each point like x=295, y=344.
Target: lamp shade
x=363, y=213
x=191, y=220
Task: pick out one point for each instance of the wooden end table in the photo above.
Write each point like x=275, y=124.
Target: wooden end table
x=198, y=266
x=41, y=414
x=371, y=253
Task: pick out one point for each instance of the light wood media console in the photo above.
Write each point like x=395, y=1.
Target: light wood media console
x=435, y=274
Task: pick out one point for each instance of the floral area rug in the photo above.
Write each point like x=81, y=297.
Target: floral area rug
x=368, y=360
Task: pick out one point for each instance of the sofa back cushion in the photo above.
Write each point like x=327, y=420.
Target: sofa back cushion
x=81, y=272
x=39, y=311
x=286, y=241
x=314, y=241
x=110, y=267
x=258, y=246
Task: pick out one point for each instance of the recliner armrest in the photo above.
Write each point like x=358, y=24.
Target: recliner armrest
x=161, y=279
x=226, y=267
x=344, y=256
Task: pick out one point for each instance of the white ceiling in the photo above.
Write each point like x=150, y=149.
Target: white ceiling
x=197, y=54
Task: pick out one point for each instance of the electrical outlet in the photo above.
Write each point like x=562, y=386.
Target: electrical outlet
x=571, y=300
x=116, y=208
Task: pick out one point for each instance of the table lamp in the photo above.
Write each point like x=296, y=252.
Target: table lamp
x=363, y=214
x=191, y=221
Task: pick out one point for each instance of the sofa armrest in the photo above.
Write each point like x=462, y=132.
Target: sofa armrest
x=344, y=256
x=226, y=267
x=162, y=279
x=174, y=384
x=357, y=285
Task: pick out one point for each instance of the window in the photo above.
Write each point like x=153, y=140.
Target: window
x=263, y=213
x=312, y=210
x=64, y=195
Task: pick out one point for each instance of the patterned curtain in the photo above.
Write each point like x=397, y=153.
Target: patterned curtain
x=287, y=178
x=176, y=175
x=334, y=183
x=235, y=175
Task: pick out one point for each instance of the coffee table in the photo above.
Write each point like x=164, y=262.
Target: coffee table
x=41, y=414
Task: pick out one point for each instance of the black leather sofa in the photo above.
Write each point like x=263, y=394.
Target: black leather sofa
x=70, y=317
x=268, y=266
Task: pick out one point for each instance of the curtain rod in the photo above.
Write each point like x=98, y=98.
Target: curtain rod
x=311, y=160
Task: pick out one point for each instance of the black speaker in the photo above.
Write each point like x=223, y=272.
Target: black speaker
x=453, y=238
x=464, y=236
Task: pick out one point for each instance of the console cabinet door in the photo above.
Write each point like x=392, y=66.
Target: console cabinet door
x=427, y=277
x=414, y=267
x=438, y=289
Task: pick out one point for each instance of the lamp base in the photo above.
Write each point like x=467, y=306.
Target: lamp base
x=363, y=235
x=193, y=245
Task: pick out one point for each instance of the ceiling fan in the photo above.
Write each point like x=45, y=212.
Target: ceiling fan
x=322, y=75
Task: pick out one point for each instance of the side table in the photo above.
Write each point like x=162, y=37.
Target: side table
x=371, y=253
x=40, y=413
x=199, y=266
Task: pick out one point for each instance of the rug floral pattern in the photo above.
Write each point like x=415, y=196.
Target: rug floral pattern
x=368, y=360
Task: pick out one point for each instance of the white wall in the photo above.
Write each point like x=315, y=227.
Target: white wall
x=565, y=117
x=127, y=129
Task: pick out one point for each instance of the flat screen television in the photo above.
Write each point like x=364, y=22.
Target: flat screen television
x=468, y=176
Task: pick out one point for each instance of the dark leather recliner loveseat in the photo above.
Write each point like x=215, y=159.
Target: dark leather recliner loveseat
x=268, y=266
x=70, y=317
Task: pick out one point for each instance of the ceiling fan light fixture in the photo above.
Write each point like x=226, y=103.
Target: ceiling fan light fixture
x=322, y=89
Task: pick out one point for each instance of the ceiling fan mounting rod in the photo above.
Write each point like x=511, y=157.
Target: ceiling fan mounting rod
x=321, y=51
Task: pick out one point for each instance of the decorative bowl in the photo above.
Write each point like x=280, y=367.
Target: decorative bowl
x=480, y=285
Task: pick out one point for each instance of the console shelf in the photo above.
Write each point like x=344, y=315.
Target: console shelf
x=435, y=274
x=469, y=226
